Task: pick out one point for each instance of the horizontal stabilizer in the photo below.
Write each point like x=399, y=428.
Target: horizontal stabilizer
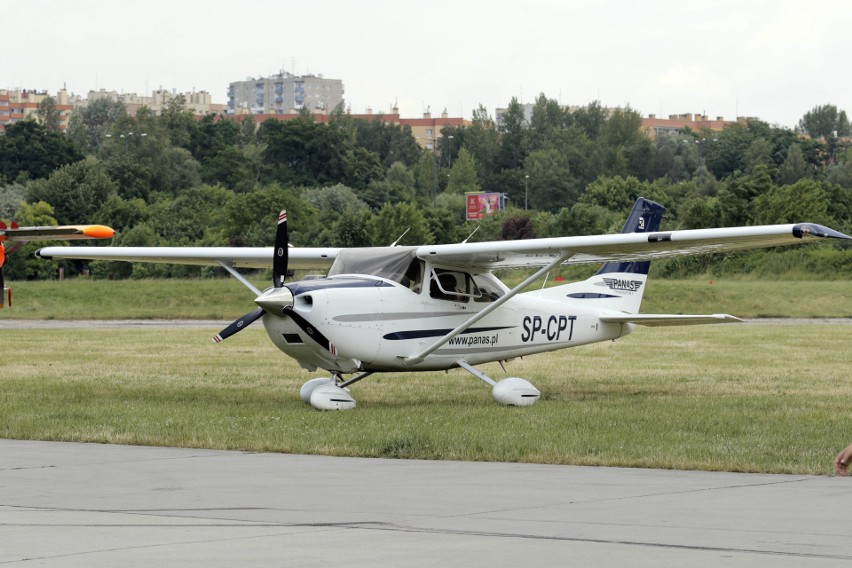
x=660, y=320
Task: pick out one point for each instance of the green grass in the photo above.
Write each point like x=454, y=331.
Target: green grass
x=756, y=398
x=228, y=299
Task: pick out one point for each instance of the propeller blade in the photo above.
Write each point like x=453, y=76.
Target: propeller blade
x=312, y=332
x=280, y=259
x=238, y=325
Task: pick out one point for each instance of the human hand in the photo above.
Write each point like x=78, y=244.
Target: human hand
x=842, y=461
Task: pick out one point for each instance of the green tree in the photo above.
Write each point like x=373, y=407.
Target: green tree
x=759, y=153
x=249, y=219
x=89, y=125
x=841, y=173
x=683, y=157
x=11, y=198
x=738, y=193
x=447, y=221
x=48, y=115
x=303, y=152
x=586, y=219
x=351, y=229
x=804, y=200
x=623, y=148
x=393, y=220
x=825, y=121
x=23, y=264
x=699, y=212
x=425, y=178
x=462, y=176
x=121, y=215
x=192, y=217
x=590, y=118
x=75, y=191
x=549, y=184
x=794, y=167
x=29, y=151
x=398, y=186
x=512, y=143
x=725, y=154
x=481, y=139
x=547, y=117
x=179, y=122
x=616, y=194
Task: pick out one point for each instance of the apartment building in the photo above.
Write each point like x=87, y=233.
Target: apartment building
x=200, y=103
x=653, y=126
x=21, y=104
x=284, y=93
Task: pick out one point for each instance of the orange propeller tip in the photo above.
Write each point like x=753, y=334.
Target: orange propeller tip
x=98, y=232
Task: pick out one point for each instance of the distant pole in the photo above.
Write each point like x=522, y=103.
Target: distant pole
x=526, y=191
x=434, y=173
x=700, y=163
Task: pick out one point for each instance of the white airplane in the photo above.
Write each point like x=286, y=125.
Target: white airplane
x=437, y=307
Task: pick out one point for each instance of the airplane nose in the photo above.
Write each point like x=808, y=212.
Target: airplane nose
x=275, y=300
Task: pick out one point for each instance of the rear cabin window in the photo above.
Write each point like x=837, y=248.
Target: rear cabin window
x=398, y=264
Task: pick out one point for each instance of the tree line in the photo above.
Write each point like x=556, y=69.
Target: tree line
x=172, y=179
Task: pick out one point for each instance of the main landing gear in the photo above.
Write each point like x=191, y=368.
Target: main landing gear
x=331, y=393
x=511, y=391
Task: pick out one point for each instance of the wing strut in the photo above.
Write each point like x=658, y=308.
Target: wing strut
x=415, y=359
x=240, y=277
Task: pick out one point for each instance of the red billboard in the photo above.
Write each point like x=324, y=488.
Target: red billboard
x=482, y=204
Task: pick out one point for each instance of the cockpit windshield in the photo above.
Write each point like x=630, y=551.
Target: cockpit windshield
x=394, y=263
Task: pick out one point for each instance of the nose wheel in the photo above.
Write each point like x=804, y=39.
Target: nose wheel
x=330, y=393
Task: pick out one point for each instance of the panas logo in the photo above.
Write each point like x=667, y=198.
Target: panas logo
x=624, y=285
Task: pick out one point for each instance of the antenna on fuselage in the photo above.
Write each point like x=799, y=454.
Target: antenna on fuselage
x=393, y=244
x=470, y=235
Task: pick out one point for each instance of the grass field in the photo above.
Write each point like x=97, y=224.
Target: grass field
x=754, y=397
x=228, y=299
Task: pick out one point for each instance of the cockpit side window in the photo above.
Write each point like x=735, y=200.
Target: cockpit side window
x=488, y=289
x=452, y=285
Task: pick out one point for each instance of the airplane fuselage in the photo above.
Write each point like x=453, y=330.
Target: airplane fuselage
x=374, y=324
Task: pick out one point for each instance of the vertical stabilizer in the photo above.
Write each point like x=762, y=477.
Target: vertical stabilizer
x=617, y=286
x=645, y=217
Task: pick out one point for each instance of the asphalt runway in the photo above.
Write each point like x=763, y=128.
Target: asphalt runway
x=70, y=505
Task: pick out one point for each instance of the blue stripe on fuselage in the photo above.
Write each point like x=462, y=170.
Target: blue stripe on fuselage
x=421, y=333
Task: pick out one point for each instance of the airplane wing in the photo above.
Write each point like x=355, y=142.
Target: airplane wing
x=595, y=249
x=238, y=257
x=659, y=320
x=623, y=247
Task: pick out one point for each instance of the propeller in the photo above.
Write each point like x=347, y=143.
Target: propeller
x=276, y=301
x=279, y=273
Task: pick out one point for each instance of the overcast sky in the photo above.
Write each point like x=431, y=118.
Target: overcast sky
x=774, y=59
